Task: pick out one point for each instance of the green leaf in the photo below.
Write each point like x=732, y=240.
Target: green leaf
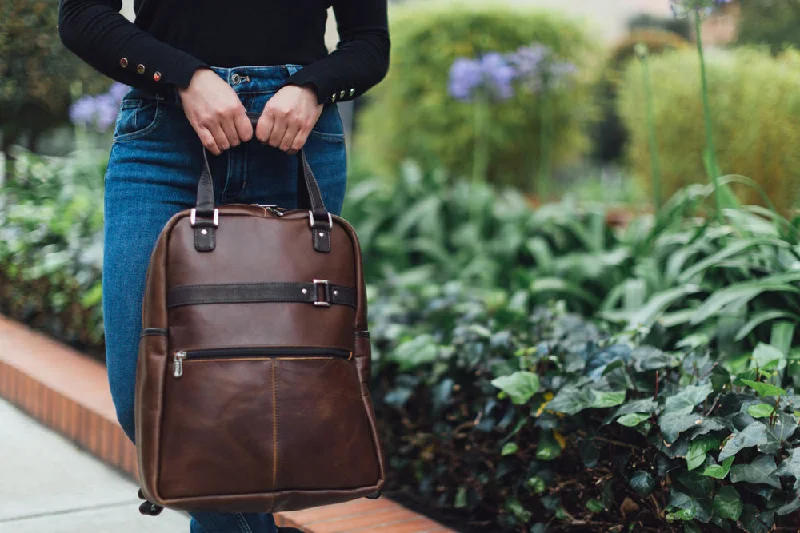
x=520, y=386
x=791, y=467
x=741, y=293
x=570, y=400
x=685, y=401
x=518, y=510
x=782, y=427
x=558, y=285
x=728, y=503
x=647, y=315
x=698, y=450
x=647, y=405
x=719, y=471
x=672, y=425
x=753, y=435
x=595, y=506
x=768, y=358
x=643, y=482
x=536, y=484
x=764, y=389
x=632, y=419
x=755, y=520
x=789, y=508
x=510, y=448
x=761, y=410
x=681, y=514
x=601, y=400
x=690, y=527
x=549, y=448
x=760, y=318
x=415, y=352
x=461, y=498
x=761, y=471
x=782, y=334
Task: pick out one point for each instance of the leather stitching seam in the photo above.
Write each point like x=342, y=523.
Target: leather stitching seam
x=274, y=428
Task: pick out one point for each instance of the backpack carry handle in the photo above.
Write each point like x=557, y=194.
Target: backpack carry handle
x=308, y=197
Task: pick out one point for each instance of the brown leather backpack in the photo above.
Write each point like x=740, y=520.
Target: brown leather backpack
x=254, y=360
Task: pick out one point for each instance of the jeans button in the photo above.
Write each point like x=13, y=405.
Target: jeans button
x=236, y=79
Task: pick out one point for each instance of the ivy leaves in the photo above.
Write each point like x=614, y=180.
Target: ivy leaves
x=520, y=386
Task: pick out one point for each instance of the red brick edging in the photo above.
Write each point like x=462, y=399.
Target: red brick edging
x=68, y=392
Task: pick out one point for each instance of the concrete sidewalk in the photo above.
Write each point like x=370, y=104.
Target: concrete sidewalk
x=49, y=485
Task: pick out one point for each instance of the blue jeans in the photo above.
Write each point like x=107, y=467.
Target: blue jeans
x=153, y=170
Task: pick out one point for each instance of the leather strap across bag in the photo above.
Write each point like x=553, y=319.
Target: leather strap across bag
x=254, y=360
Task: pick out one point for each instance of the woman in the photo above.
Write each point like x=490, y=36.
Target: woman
x=196, y=68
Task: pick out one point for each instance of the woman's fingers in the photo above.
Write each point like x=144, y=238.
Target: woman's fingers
x=213, y=108
x=219, y=135
x=208, y=141
x=244, y=127
x=228, y=125
x=288, y=118
x=278, y=131
x=264, y=127
x=299, y=141
x=292, y=130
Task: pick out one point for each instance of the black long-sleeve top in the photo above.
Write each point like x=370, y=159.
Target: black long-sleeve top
x=170, y=39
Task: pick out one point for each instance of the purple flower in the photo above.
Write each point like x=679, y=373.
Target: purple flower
x=528, y=59
x=499, y=74
x=118, y=91
x=106, y=109
x=465, y=77
x=491, y=73
x=538, y=68
x=82, y=111
x=99, y=111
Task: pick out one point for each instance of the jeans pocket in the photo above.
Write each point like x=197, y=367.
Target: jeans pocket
x=329, y=126
x=137, y=117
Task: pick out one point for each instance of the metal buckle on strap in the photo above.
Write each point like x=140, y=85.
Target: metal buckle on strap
x=327, y=301
x=193, y=217
x=311, y=219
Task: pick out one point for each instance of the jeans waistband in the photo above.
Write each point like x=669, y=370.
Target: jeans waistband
x=241, y=79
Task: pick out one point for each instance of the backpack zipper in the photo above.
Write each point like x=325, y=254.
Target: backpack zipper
x=253, y=352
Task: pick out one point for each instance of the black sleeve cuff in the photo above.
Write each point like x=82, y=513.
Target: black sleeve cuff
x=183, y=70
x=326, y=92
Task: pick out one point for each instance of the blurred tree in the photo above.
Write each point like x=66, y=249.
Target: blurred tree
x=36, y=72
x=770, y=22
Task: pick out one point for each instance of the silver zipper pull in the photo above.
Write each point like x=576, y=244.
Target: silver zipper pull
x=178, y=364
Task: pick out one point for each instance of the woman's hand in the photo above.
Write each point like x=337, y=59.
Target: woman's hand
x=215, y=112
x=288, y=117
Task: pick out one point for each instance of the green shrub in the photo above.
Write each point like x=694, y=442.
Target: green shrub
x=51, y=229
x=592, y=430
x=755, y=109
x=770, y=22
x=411, y=114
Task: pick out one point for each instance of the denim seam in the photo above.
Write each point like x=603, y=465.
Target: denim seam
x=244, y=527
x=224, y=195
x=330, y=137
x=144, y=131
x=245, y=157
